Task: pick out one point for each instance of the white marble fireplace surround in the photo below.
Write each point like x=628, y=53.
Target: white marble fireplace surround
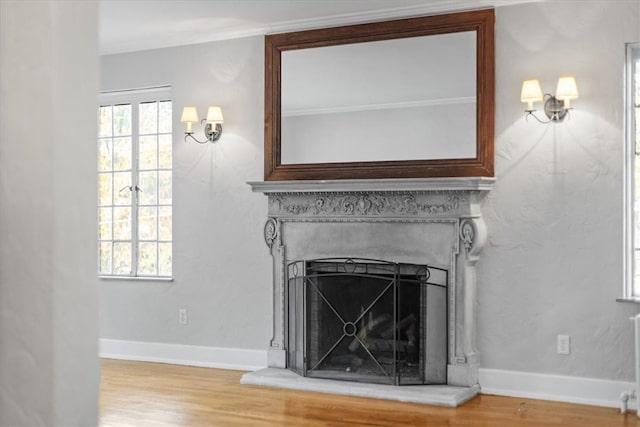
x=434, y=221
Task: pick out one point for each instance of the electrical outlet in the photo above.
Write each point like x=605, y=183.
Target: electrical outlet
x=564, y=344
x=183, y=317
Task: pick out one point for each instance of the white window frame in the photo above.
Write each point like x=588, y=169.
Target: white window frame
x=135, y=97
x=631, y=288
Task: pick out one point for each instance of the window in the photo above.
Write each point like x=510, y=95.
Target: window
x=135, y=184
x=632, y=188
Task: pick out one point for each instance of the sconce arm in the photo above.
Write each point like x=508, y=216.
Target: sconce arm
x=530, y=113
x=190, y=135
x=553, y=109
x=211, y=133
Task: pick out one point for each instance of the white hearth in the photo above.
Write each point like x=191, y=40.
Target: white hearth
x=421, y=221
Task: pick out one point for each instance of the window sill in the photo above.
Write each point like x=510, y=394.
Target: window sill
x=139, y=278
x=629, y=299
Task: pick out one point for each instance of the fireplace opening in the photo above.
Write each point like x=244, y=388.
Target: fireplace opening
x=367, y=320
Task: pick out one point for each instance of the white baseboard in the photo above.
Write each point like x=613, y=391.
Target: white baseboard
x=179, y=354
x=560, y=388
x=587, y=391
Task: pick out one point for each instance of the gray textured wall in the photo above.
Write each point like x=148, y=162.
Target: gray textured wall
x=553, y=263
x=221, y=264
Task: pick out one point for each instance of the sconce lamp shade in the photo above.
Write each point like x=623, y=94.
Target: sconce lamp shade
x=531, y=92
x=567, y=90
x=189, y=116
x=214, y=115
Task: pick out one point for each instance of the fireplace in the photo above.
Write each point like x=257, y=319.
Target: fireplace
x=367, y=320
x=374, y=286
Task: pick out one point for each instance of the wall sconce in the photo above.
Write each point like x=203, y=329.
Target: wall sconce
x=555, y=107
x=212, y=124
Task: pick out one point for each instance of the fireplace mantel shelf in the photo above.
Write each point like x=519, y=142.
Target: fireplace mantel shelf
x=373, y=185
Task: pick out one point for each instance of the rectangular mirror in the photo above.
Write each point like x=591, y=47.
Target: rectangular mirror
x=409, y=98
x=399, y=99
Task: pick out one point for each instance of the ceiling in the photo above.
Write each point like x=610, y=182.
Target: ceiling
x=133, y=25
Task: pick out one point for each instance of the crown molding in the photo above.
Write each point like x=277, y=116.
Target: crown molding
x=250, y=30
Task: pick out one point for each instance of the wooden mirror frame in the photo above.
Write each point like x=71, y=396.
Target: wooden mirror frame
x=480, y=21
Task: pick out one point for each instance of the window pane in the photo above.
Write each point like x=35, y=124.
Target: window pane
x=633, y=122
x=104, y=189
x=148, y=183
x=105, y=258
x=122, y=154
x=638, y=126
x=104, y=121
x=148, y=152
x=636, y=234
x=147, y=258
x=165, y=158
x=636, y=79
x=165, y=221
x=638, y=115
x=121, y=188
x=122, y=120
x=164, y=119
x=164, y=192
x=636, y=271
x=122, y=258
x=148, y=223
x=164, y=259
x=104, y=223
x=637, y=177
x=104, y=154
x=148, y=118
x=122, y=223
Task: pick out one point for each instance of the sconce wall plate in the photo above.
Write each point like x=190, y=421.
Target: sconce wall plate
x=554, y=108
x=213, y=134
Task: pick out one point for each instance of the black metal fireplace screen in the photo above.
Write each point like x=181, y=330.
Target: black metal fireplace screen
x=367, y=320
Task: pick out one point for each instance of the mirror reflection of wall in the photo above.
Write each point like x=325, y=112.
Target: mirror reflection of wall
x=400, y=99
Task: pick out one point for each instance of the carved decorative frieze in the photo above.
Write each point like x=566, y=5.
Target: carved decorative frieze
x=366, y=204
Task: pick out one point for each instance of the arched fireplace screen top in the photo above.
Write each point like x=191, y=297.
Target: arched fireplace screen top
x=367, y=320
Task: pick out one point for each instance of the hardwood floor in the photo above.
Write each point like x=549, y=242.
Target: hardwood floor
x=153, y=394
